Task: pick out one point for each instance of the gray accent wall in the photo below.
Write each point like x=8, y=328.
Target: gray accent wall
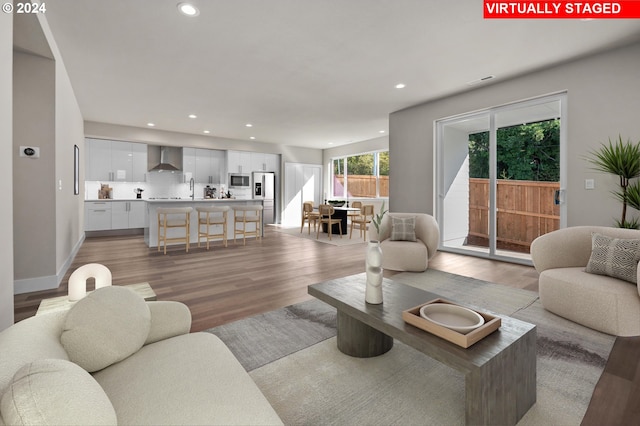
x=603, y=92
x=47, y=216
x=6, y=169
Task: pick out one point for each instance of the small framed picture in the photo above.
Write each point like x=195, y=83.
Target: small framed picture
x=76, y=170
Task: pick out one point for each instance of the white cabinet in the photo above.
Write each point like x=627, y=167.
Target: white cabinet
x=204, y=165
x=127, y=214
x=107, y=215
x=97, y=215
x=209, y=164
x=264, y=162
x=115, y=161
x=239, y=162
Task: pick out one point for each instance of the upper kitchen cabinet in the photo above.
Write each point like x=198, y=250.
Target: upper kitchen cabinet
x=204, y=165
x=264, y=162
x=115, y=161
x=209, y=165
x=239, y=162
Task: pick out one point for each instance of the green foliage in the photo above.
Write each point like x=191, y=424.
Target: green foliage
x=623, y=160
x=377, y=219
x=524, y=152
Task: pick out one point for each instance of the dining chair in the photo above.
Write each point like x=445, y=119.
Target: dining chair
x=326, y=212
x=310, y=216
x=354, y=214
x=362, y=220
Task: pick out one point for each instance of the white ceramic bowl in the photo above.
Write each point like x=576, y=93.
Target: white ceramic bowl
x=454, y=317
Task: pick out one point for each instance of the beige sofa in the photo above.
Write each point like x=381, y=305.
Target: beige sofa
x=412, y=256
x=114, y=358
x=603, y=303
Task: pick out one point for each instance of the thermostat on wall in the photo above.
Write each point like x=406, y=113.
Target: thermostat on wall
x=30, y=151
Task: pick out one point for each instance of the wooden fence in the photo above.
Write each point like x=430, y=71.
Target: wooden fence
x=364, y=185
x=525, y=210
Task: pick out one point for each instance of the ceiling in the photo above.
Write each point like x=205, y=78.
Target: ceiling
x=311, y=73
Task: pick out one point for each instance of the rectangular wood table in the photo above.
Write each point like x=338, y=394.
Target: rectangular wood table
x=500, y=370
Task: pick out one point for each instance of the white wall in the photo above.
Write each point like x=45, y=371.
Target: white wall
x=603, y=101
x=6, y=169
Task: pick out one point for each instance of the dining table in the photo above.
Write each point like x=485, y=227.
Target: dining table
x=340, y=213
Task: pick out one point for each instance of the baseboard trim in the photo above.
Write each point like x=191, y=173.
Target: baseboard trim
x=49, y=282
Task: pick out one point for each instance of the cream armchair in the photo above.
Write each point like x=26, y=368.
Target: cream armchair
x=402, y=255
x=601, y=302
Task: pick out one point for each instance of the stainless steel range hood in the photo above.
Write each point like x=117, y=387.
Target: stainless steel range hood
x=164, y=158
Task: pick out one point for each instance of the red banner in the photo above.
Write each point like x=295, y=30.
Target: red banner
x=626, y=9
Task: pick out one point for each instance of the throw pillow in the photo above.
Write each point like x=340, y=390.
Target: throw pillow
x=403, y=228
x=105, y=327
x=55, y=392
x=614, y=257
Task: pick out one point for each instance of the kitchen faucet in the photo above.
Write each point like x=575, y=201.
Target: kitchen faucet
x=192, y=187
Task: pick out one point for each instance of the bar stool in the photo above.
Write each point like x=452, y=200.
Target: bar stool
x=247, y=215
x=173, y=217
x=210, y=217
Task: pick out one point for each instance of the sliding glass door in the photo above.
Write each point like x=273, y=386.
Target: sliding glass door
x=499, y=178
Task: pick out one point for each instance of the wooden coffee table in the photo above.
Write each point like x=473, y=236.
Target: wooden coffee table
x=500, y=370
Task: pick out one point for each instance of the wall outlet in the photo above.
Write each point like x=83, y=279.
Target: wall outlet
x=30, y=151
x=589, y=184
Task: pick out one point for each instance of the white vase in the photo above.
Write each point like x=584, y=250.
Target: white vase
x=373, y=262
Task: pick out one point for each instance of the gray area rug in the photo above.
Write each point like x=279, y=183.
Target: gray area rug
x=292, y=356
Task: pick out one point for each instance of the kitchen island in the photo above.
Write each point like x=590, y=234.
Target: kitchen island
x=151, y=220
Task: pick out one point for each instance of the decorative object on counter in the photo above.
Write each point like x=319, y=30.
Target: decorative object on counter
x=105, y=192
x=78, y=279
x=138, y=192
x=373, y=263
x=209, y=192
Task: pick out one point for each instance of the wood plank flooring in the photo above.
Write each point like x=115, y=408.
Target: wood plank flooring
x=226, y=284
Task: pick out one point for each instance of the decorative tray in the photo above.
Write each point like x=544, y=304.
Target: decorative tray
x=491, y=324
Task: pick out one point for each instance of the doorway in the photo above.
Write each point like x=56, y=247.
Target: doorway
x=499, y=178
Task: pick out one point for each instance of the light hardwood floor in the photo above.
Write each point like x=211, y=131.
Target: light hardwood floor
x=226, y=284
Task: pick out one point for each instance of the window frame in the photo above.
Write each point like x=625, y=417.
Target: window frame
x=344, y=160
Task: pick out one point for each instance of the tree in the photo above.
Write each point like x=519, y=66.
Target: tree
x=524, y=152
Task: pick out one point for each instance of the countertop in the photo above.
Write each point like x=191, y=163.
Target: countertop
x=180, y=200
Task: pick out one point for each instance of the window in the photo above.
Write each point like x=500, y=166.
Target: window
x=361, y=176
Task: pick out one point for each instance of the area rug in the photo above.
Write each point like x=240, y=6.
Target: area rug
x=322, y=238
x=292, y=356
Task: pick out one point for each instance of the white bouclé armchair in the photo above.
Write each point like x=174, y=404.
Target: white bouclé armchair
x=403, y=255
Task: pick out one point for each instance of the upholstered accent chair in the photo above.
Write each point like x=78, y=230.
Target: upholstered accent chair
x=597, y=299
x=403, y=250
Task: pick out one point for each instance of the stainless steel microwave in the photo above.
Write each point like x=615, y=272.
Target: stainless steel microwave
x=237, y=180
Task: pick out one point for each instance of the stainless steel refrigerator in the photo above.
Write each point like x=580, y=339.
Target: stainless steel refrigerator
x=264, y=188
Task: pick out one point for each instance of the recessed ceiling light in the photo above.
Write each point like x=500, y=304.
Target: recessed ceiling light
x=381, y=131
x=400, y=86
x=188, y=9
x=151, y=124
x=193, y=116
x=252, y=137
x=248, y=125
x=206, y=131
x=330, y=143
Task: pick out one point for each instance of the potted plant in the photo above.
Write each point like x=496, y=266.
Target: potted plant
x=623, y=160
x=377, y=219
